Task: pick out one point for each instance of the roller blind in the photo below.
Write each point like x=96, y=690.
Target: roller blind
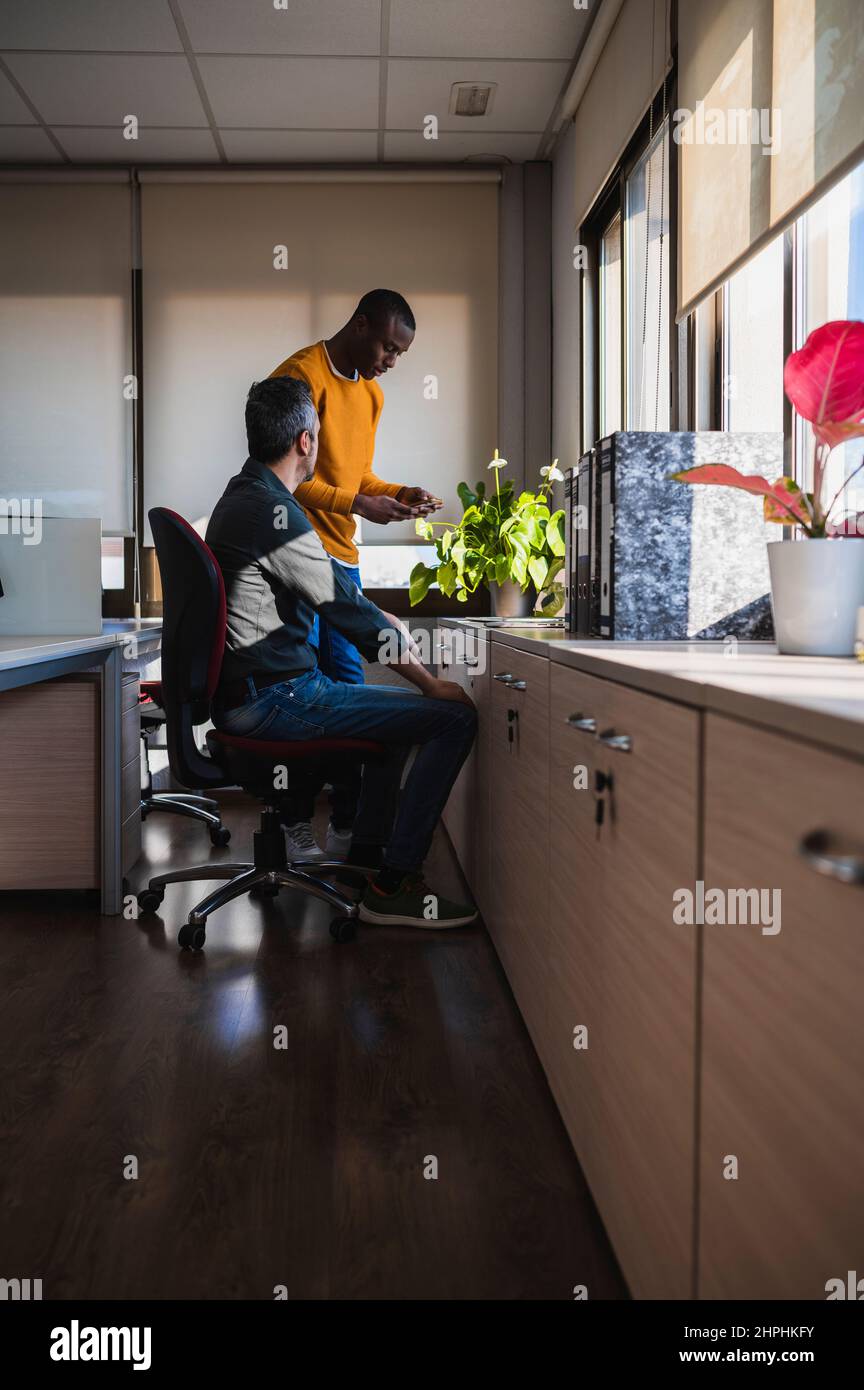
x=628, y=74
x=771, y=113
x=65, y=349
x=219, y=314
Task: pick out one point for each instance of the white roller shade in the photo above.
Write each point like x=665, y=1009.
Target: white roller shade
x=66, y=349
x=218, y=315
x=797, y=64
x=628, y=74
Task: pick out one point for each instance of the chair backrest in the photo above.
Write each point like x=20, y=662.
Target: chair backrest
x=193, y=641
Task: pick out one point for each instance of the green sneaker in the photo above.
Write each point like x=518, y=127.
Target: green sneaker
x=413, y=905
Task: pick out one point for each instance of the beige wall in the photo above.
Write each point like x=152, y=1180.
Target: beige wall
x=217, y=316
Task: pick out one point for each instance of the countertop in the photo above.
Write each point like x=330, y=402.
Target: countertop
x=25, y=651
x=820, y=699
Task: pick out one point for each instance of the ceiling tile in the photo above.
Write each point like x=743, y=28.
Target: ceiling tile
x=88, y=24
x=524, y=100
x=455, y=146
x=285, y=146
x=27, y=142
x=487, y=28
x=98, y=89
x=305, y=26
x=99, y=145
x=336, y=93
x=13, y=111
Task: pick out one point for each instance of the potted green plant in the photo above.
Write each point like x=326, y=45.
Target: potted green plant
x=817, y=579
x=513, y=544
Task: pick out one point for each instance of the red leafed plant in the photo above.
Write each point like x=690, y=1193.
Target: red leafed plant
x=824, y=380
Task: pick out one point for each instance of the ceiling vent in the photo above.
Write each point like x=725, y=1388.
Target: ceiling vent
x=472, y=98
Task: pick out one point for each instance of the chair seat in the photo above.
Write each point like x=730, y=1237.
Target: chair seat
x=294, y=750
x=251, y=762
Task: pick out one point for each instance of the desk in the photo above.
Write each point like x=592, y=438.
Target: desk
x=124, y=644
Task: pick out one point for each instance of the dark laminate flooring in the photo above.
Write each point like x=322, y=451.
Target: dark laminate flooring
x=301, y=1166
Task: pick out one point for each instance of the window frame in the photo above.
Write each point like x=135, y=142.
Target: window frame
x=612, y=200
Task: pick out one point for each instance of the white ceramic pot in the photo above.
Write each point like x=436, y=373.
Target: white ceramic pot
x=817, y=587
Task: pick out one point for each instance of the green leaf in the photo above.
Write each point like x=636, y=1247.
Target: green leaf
x=555, y=533
x=538, y=570
x=465, y=495
x=462, y=596
x=502, y=569
x=423, y=528
x=420, y=582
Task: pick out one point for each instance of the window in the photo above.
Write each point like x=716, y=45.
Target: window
x=830, y=285
x=628, y=297
x=113, y=564
x=752, y=386
x=647, y=203
x=390, y=566
x=768, y=308
x=610, y=328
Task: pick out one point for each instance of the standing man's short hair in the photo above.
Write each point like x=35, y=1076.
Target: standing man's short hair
x=381, y=305
x=278, y=410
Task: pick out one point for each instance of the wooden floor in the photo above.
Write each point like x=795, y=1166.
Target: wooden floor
x=259, y=1167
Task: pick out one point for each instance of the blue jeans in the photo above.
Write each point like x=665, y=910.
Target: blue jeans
x=340, y=660
x=313, y=706
x=337, y=657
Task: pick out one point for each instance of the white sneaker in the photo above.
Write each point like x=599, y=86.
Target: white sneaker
x=300, y=843
x=338, y=842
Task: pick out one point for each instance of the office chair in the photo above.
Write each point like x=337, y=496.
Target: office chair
x=193, y=641
x=202, y=808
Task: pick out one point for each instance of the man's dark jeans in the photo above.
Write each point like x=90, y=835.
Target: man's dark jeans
x=313, y=706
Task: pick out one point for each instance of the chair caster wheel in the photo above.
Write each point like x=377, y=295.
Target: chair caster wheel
x=220, y=836
x=150, y=901
x=191, y=938
x=343, y=929
x=264, y=890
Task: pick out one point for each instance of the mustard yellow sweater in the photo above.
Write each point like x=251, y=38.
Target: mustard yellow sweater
x=349, y=412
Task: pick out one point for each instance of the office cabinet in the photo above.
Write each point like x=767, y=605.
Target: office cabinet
x=50, y=752
x=518, y=913
x=457, y=664
x=627, y=973
x=781, y=1018
x=478, y=803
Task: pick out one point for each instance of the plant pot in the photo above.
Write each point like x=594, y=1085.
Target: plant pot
x=508, y=600
x=817, y=587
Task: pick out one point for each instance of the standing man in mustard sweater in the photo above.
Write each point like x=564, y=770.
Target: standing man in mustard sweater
x=342, y=373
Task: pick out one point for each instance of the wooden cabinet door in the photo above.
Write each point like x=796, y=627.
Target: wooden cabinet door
x=479, y=681
x=519, y=848
x=640, y=1156
x=578, y=707
x=782, y=1086
x=622, y=970
x=457, y=815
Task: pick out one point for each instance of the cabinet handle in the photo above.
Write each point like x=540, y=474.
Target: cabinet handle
x=845, y=867
x=622, y=743
x=472, y=662
x=504, y=676
x=586, y=724
x=518, y=685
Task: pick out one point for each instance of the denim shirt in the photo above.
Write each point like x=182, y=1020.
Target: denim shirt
x=277, y=576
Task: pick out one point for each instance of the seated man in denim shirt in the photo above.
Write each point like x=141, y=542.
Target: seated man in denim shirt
x=277, y=576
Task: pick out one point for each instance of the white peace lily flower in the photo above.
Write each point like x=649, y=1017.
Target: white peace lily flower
x=552, y=473
x=496, y=462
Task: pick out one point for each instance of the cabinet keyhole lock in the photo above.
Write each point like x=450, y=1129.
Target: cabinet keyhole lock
x=512, y=725
x=602, y=783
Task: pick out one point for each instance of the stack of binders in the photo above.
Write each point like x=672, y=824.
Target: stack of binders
x=650, y=559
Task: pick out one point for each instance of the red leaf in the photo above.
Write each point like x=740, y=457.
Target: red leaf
x=824, y=380
x=784, y=494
